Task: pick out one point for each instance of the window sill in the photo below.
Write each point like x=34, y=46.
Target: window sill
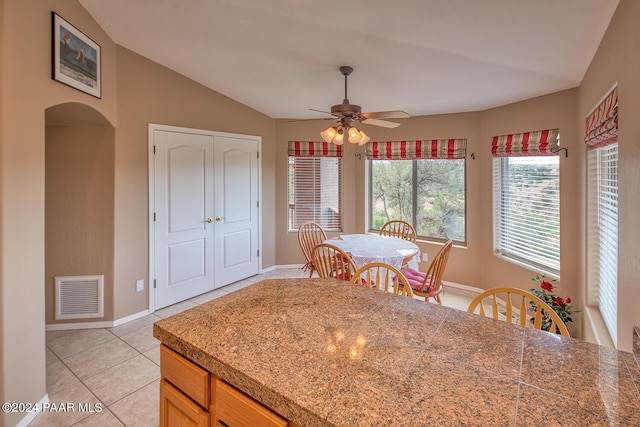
x=532, y=268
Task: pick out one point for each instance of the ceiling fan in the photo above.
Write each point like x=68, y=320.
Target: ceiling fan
x=347, y=113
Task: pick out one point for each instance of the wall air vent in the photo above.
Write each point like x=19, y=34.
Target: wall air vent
x=79, y=297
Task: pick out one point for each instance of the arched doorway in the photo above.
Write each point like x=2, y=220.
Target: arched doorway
x=79, y=201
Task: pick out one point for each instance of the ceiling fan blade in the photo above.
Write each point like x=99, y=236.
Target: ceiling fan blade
x=383, y=123
x=319, y=111
x=386, y=115
x=305, y=120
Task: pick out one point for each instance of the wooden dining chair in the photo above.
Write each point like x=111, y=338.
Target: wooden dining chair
x=384, y=277
x=309, y=235
x=400, y=229
x=512, y=305
x=331, y=261
x=429, y=284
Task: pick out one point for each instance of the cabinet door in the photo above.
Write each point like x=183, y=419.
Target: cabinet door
x=176, y=409
x=234, y=409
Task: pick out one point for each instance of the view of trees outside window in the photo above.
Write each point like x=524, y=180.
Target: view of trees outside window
x=436, y=186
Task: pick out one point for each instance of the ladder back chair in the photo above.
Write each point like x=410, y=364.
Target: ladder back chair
x=400, y=229
x=429, y=284
x=309, y=235
x=384, y=277
x=331, y=261
x=513, y=304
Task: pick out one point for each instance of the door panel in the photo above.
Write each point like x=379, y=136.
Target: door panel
x=237, y=248
x=236, y=200
x=186, y=261
x=183, y=195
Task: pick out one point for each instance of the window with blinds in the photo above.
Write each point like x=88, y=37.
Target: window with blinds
x=314, y=192
x=527, y=211
x=602, y=221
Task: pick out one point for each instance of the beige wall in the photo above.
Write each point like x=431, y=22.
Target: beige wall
x=3, y=321
x=148, y=93
x=618, y=60
x=473, y=265
x=552, y=111
x=27, y=90
x=135, y=92
x=79, y=168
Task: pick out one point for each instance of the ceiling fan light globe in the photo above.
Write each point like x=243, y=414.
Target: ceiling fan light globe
x=364, y=140
x=354, y=135
x=328, y=134
x=338, y=139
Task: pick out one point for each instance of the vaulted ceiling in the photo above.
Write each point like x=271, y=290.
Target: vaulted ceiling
x=281, y=57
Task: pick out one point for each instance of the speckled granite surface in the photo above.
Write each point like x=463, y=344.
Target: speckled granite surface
x=327, y=352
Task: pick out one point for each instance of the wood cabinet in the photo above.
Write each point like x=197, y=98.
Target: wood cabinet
x=176, y=409
x=233, y=408
x=192, y=396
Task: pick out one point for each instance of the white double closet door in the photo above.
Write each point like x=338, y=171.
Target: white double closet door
x=205, y=216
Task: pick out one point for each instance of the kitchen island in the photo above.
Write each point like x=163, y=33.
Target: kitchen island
x=324, y=352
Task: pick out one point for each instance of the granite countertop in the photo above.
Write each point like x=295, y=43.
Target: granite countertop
x=324, y=352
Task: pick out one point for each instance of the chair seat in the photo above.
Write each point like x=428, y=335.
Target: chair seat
x=430, y=284
x=414, y=277
x=417, y=278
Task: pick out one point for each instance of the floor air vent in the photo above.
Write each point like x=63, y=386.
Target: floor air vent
x=79, y=297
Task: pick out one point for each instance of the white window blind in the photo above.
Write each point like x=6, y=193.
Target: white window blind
x=527, y=210
x=602, y=221
x=315, y=192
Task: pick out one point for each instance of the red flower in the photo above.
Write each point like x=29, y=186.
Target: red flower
x=568, y=300
x=559, y=301
x=547, y=286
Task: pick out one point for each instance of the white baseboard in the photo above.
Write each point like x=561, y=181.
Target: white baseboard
x=268, y=269
x=95, y=325
x=130, y=318
x=463, y=287
x=33, y=414
x=289, y=266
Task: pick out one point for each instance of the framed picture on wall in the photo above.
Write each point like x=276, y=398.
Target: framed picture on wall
x=76, y=58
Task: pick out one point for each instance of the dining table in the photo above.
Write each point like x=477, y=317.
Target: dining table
x=368, y=248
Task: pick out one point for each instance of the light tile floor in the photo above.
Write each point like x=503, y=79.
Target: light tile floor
x=117, y=369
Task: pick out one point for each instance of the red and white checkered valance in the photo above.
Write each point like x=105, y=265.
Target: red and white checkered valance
x=538, y=143
x=314, y=149
x=417, y=149
x=602, y=123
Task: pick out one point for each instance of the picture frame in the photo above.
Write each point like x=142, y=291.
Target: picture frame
x=75, y=57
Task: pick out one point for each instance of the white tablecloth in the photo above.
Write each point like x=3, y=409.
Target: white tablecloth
x=367, y=248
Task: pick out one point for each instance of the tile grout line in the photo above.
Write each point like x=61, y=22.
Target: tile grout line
x=81, y=381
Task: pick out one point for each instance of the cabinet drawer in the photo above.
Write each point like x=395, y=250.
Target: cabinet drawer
x=178, y=410
x=235, y=409
x=190, y=378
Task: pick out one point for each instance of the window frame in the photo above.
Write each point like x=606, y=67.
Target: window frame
x=414, y=196
x=292, y=226
x=500, y=173
x=597, y=165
